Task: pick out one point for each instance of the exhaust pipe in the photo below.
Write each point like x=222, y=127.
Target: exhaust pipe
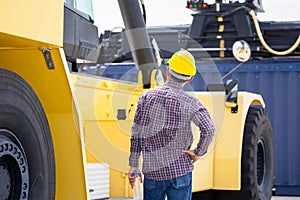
x=138, y=39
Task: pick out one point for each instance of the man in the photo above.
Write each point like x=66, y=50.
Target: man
x=162, y=133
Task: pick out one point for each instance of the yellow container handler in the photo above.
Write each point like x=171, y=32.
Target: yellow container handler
x=54, y=123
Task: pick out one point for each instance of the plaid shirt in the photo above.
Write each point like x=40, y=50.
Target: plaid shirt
x=162, y=129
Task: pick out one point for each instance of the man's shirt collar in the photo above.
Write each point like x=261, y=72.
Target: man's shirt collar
x=173, y=84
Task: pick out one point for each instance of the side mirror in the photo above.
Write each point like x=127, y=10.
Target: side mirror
x=241, y=51
x=231, y=88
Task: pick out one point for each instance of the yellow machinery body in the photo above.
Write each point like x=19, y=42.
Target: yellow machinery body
x=26, y=28
x=107, y=137
x=82, y=111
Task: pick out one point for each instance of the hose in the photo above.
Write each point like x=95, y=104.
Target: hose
x=266, y=46
x=230, y=12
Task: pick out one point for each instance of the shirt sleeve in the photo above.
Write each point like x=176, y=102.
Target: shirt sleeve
x=135, y=141
x=202, y=119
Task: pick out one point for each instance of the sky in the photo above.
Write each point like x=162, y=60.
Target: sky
x=173, y=12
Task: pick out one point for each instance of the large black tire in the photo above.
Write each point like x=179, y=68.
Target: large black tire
x=26, y=150
x=257, y=159
x=257, y=156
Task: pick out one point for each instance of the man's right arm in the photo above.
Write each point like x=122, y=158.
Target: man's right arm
x=202, y=119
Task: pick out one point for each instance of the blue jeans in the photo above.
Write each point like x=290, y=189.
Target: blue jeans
x=175, y=189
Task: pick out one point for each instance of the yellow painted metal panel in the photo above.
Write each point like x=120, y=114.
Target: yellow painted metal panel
x=54, y=92
x=36, y=20
x=108, y=139
x=203, y=175
x=228, y=149
x=203, y=172
x=101, y=98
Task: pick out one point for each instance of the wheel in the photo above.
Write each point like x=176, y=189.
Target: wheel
x=27, y=164
x=257, y=159
x=257, y=156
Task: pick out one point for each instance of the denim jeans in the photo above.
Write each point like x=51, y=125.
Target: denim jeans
x=175, y=189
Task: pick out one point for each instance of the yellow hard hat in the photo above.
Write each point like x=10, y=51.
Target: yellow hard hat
x=183, y=62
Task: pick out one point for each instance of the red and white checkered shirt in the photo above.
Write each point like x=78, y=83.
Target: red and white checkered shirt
x=162, y=129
